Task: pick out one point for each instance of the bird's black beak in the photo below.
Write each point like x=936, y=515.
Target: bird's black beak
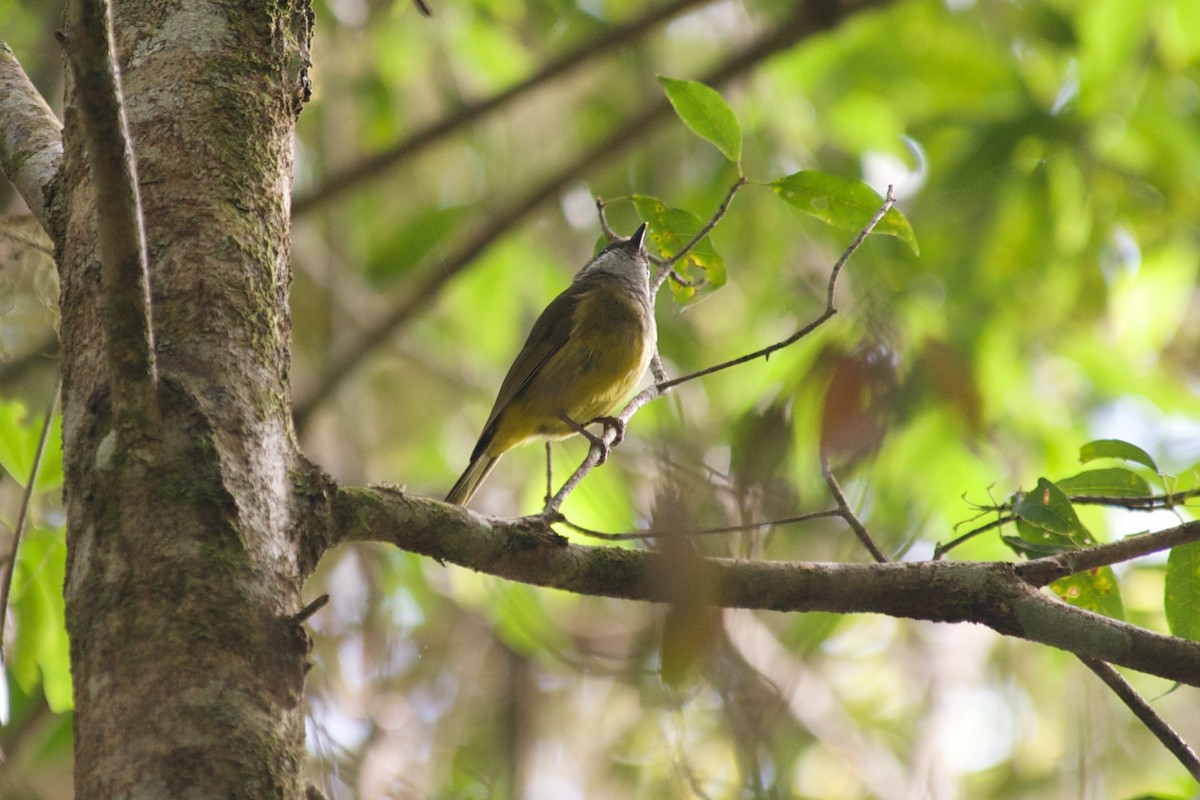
x=635, y=243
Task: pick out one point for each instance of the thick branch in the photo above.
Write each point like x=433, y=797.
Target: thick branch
x=31, y=146
x=124, y=281
x=526, y=550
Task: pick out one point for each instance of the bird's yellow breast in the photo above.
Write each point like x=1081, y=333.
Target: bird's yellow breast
x=611, y=343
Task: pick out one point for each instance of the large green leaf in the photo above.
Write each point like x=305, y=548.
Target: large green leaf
x=706, y=113
x=842, y=203
x=1112, y=482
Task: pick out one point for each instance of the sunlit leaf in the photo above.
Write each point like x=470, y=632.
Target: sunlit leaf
x=1115, y=448
x=1113, y=482
x=706, y=113
x=1095, y=590
x=19, y=436
x=1048, y=510
x=40, y=651
x=670, y=231
x=1182, y=591
x=842, y=203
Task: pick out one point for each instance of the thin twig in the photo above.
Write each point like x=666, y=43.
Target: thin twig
x=23, y=514
x=549, y=473
x=604, y=226
x=749, y=526
x=845, y=512
x=829, y=311
x=942, y=549
x=1136, y=503
x=377, y=166
x=1154, y=723
x=124, y=276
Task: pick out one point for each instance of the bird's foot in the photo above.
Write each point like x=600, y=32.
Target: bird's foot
x=598, y=441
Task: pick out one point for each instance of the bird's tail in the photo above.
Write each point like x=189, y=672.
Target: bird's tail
x=465, y=488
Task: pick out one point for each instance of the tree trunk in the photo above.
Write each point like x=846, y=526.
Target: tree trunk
x=183, y=576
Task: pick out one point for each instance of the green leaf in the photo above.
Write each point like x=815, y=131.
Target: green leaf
x=670, y=231
x=1050, y=513
x=842, y=203
x=19, y=434
x=707, y=114
x=1182, y=591
x=1115, y=448
x=1095, y=590
x=1112, y=482
x=40, y=646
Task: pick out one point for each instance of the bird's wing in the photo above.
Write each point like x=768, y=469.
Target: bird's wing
x=550, y=332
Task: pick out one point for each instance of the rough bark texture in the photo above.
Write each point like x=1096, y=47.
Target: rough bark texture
x=182, y=569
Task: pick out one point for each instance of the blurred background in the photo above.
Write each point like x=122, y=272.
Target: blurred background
x=1048, y=158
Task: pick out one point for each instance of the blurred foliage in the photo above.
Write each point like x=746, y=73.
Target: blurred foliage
x=1047, y=157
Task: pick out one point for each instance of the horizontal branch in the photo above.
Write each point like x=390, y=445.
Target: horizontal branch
x=527, y=550
x=31, y=147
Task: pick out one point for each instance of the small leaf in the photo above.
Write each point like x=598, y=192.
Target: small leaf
x=1182, y=591
x=670, y=231
x=1095, y=590
x=1048, y=509
x=707, y=114
x=1115, y=448
x=1113, y=482
x=842, y=203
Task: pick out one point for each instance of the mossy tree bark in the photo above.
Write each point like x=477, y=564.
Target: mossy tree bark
x=183, y=573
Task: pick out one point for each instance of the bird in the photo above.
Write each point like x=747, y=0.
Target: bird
x=585, y=354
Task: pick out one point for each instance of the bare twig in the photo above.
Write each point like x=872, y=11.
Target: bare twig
x=824, y=316
x=129, y=339
x=374, y=167
x=23, y=514
x=1136, y=503
x=750, y=526
x=942, y=549
x=846, y=513
x=1145, y=714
